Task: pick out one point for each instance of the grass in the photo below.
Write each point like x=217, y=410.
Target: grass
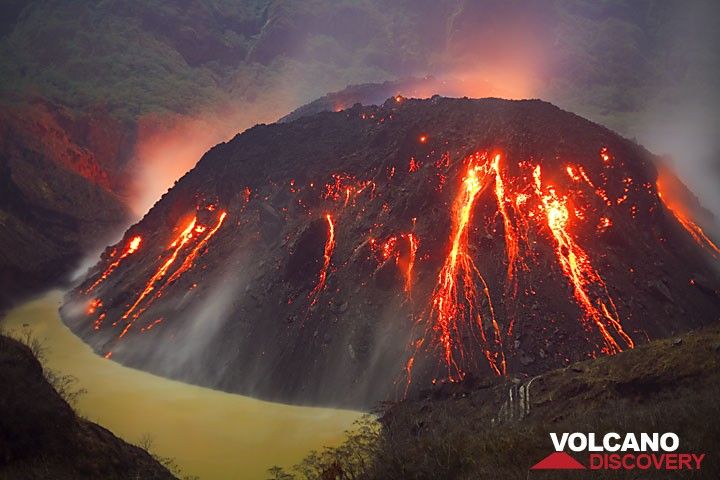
x=147, y=443
x=665, y=386
x=65, y=385
x=42, y=436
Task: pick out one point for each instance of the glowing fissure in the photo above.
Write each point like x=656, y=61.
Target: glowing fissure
x=186, y=265
x=667, y=187
x=577, y=267
x=696, y=232
x=404, y=259
x=132, y=247
x=177, y=244
x=192, y=230
x=511, y=207
x=413, y=244
x=455, y=303
x=511, y=236
x=327, y=257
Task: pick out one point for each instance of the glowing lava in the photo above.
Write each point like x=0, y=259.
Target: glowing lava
x=511, y=236
x=190, y=233
x=512, y=209
x=192, y=256
x=93, y=306
x=186, y=265
x=666, y=187
x=458, y=317
x=327, y=256
x=578, y=269
x=404, y=258
x=176, y=246
x=455, y=306
x=132, y=247
x=413, y=244
x=346, y=187
x=695, y=231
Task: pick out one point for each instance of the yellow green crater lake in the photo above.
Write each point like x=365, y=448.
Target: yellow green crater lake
x=210, y=434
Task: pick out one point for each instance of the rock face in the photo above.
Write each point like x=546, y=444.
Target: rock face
x=371, y=94
x=41, y=436
x=348, y=257
x=647, y=389
x=56, y=195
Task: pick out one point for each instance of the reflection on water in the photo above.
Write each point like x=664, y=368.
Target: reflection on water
x=211, y=434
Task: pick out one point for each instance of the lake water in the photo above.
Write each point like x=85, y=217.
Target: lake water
x=211, y=434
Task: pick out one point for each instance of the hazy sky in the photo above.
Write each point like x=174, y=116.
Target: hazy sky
x=195, y=73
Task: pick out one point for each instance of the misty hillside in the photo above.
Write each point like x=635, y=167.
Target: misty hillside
x=206, y=50
x=465, y=431
x=86, y=87
x=42, y=437
x=349, y=257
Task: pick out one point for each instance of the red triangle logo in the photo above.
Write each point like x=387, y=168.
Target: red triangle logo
x=558, y=461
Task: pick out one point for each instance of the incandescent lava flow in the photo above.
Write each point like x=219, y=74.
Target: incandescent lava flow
x=347, y=257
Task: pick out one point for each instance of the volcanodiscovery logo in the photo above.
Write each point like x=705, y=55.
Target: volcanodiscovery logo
x=614, y=451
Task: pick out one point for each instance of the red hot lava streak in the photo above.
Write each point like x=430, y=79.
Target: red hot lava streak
x=511, y=237
x=186, y=265
x=695, y=231
x=177, y=244
x=405, y=260
x=190, y=233
x=413, y=244
x=678, y=211
x=576, y=265
x=455, y=303
x=460, y=308
x=132, y=247
x=327, y=256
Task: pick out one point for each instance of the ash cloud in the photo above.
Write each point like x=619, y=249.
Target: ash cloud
x=683, y=117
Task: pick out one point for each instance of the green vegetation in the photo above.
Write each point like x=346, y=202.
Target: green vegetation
x=65, y=385
x=158, y=56
x=82, y=54
x=665, y=386
x=353, y=459
x=606, y=59
x=42, y=437
x=147, y=443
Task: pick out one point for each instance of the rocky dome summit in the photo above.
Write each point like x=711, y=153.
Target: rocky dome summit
x=348, y=257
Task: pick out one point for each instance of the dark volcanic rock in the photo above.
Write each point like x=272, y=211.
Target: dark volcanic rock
x=299, y=281
x=647, y=389
x=56, y=195
x=368, y=94
x=41, y=437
